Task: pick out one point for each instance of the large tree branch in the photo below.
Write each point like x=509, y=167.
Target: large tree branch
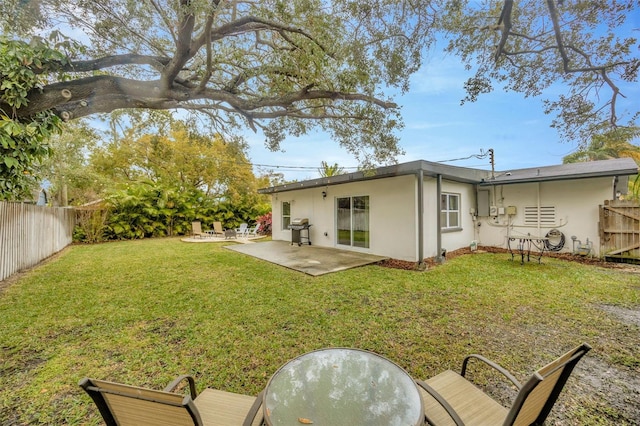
x=209, y=64
x=157, y=62
x=183, y=46
x=553, y=13
x=96, y=94
x=247, y=24
x=504, y=24
x=81, y=97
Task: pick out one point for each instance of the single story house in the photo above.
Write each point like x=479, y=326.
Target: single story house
x=421, y=209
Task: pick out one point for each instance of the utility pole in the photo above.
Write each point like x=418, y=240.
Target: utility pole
x=493, y=170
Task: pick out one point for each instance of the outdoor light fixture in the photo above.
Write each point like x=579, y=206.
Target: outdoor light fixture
x=324, y=194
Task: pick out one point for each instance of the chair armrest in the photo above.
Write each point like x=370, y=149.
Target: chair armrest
x=491, y=364
x=253, y=411
x=174, y=384
x=443, y=402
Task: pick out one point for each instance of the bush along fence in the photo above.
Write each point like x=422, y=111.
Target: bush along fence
x=30, y=234
x=150, y=210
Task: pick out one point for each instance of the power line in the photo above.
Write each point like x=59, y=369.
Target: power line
x=483, y=154
x=478, y=156
x=296, y=167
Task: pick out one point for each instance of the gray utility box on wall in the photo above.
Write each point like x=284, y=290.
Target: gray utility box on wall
x=483, y=202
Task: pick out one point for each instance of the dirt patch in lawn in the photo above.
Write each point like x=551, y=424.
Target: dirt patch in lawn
x=618, y=386
x=627, y=316
x=432, y=262
x=614, y=392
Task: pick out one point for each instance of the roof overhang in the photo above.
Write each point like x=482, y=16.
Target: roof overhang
x=454, y=173
x=571, y=171
x=591, y=169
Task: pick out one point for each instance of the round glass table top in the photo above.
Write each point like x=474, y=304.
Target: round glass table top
x=340, y=386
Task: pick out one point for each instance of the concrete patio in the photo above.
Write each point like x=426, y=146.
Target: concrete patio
x=311, y=260
x=221, y=239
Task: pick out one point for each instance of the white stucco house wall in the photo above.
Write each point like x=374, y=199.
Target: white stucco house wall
x=417, y=210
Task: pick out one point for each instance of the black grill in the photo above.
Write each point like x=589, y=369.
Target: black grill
x=300, y=231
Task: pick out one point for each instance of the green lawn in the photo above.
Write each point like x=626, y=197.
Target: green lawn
x=146, y=311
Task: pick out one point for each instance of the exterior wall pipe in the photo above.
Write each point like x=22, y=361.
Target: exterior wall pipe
x=439, y=257
x=420, y=176
x=539, y=207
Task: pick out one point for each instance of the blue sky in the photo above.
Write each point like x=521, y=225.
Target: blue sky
x=438, y=128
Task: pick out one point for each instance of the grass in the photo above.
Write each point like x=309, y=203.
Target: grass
x=146, y=311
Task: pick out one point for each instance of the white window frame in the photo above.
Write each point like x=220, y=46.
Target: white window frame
x=445, y=212
x=286, y=218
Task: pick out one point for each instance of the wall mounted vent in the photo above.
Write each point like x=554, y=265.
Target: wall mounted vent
x=544, y=216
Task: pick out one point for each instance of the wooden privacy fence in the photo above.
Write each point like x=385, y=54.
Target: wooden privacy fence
x=620, y=230
x=30, y=234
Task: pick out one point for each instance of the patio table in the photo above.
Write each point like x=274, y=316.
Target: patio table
x=341, y=386
x=524, y=246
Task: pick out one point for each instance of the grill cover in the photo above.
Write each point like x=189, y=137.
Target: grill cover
x=298, y=221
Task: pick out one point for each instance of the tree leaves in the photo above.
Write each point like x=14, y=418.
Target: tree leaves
x=23, y=141
x=577, y=48
x=280, y=66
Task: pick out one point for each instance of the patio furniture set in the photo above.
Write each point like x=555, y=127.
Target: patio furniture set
x=244, y=231
x=341, y=386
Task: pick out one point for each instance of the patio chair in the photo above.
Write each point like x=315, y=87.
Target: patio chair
x=217, y=228
x=450, y=399
x=253, y=232
x=124, y=405
x=196, y=229
x=242, y=230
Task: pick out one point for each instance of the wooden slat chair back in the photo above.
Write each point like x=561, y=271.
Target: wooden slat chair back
x=217, y=228
x=124, y=405
x=451, y=399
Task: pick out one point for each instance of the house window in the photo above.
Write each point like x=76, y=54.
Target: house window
x=545, y=215
x=450, y=211
x=286, y=214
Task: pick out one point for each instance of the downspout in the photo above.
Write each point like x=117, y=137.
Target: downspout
x=539, y=213
x=439, y=257
x=420, y=176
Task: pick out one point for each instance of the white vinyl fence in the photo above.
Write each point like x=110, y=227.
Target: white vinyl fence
x=30, y=234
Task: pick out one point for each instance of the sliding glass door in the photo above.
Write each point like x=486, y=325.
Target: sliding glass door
x=352, y=218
